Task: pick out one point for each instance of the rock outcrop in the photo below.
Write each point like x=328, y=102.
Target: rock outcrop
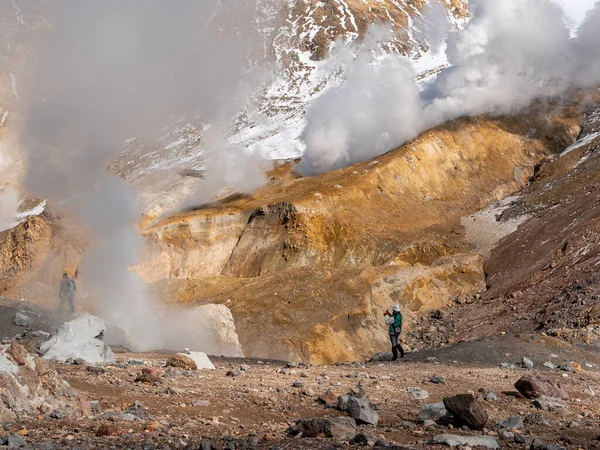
x=29, y=387
x=79, y=338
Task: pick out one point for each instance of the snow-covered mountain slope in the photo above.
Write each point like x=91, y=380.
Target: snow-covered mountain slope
x=164, y=167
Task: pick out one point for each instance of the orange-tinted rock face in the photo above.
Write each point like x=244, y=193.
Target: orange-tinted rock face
x=311, y=263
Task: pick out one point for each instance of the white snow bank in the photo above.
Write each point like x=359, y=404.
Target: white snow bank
x=79, y=338
x=586, y=140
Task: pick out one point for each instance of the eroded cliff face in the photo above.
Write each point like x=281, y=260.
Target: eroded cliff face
x=307, y=265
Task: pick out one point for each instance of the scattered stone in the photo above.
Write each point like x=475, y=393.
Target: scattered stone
x=382, y=357
x=432, y=411
x=297, y=384
x=548, y=403
x=520, y=439
x=182, y=361
x=550, y=365
x=491, y=397
x=535, y=419
x=508, y=366
x=417, y=393
x=512, y=423
x=15, y=441
x=589, y=391
x=360, y=440
x=107, y=430
x=328, y=399
x=506, y=435
x=436, y=379
x=555, y=447
x=467, y=410
x=135, y=362
x=94, y=406
x=60, y=413
x=21, y=320
x=244, y=368
x=537, y=444
x=337, y=428
x=527, y=363
x=149, y=375
x=96, y=370
x=428, y=423
x=233, y=373
x=79, y=362
x=454, y=440
x=362, y=410
x=532, y=386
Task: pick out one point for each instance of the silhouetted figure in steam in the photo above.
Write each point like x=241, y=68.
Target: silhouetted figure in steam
x=394, y=320
x=67, y=292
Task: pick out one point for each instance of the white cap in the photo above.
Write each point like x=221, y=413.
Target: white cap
x=397, y=308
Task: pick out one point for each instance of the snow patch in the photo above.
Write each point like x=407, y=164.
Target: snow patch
x=484, y=230
x=586, y=140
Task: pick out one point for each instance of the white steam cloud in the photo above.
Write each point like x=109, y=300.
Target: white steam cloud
x=112, y=69
x=511, y=52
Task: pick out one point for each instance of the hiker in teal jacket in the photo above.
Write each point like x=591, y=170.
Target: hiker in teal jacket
x=394, y=320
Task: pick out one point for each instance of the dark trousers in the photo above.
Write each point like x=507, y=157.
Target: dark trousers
x=395, y=339
x=67, y=298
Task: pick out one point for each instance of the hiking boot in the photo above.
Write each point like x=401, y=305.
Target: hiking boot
x=401, y=351
x=395, y=353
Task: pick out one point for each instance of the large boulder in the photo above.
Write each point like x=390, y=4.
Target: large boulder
x=79, y=338
x=362, y=410
x=201, y=360
x=466, y=409
x=182, y=361
x=533, y=386
x=337, y=428
x=29, y=387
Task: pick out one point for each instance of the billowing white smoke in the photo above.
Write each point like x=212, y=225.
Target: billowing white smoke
x=511, y=52
x=9, y=202
x=113, y=69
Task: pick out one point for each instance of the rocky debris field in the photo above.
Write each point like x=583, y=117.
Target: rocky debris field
x=157, y=400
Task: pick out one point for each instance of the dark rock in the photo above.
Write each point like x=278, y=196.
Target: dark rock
x=79, y=362
x=432, y=411
x=94, y=406
x=360, y=440
x=96, y=370
x=329, y=399
x=533, y=386
x=382, y=357
x=436, y=379
x=537, y=444
x=234, y=373
x=15, y=441
x=343, y=400
x=297, y=384
x=362, y=410
x=520, y=439
x=60, y=413
x=555, y=447
x=338, y=428
x=467, y=410
x=511, y=423
x=548, y=404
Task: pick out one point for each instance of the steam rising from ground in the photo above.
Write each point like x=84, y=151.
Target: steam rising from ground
x=511, y=52
x=114, y=69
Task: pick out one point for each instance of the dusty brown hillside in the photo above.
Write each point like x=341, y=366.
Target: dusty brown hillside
x=544, y=277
